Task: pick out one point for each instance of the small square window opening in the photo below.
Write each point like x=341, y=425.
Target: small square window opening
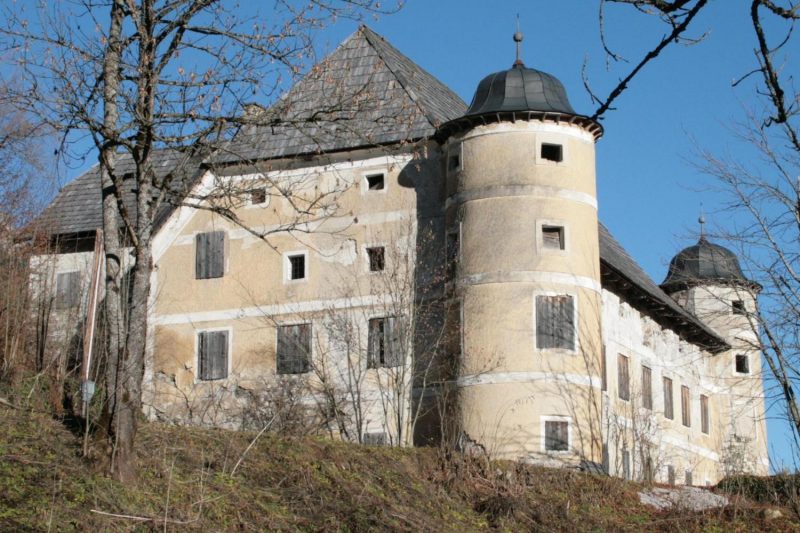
x=453, y=162
x=375, y=182
x=738, y=307
x=552, y=152
x=553, y=237
x=297, y=267
x=742, y=364
x=258, y=196
x=377, y=258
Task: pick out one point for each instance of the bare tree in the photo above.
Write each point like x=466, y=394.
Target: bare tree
x=138, y=78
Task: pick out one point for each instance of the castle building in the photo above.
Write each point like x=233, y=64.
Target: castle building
x=404, y=269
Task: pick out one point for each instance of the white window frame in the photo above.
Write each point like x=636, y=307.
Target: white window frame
x=385, y=257
x=576, y=337
x=543, y=428
x=551, y=138
x=196, y=368
x=365, y=190
x=540, y=224
x=287, y=267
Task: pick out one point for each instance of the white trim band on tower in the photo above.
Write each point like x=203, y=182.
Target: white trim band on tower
x=494, y=378
x=528, y=276
x=516, y=191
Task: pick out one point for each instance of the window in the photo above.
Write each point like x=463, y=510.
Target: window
x=742, y=364
x=68, y=290
x=688, y=478
x=453, y=162
x=377, y=258
x=212, y=355
x=738, y=307
x=375, y=182
x=670, y=474
x=686, y=407
x=209, y=255
x=297, y=266
x=623, y=378
x=385, y=343
x=704, y=414
x=603, y=371
x=258, y=196
x=668, y=411
x=647, y=387
x=374, y=439
x=552, y=152
x=553, y=237
x=294, y=349
x=626, y=464
x=556, y=435
x=555, y=316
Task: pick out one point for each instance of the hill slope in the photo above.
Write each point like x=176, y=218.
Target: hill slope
x=186, y=483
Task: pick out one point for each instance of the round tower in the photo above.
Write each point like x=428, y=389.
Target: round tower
x=522, y=234
x=707, y=280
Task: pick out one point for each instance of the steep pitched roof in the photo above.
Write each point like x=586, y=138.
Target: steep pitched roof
x=77, y=208
x=365, y=93
x=623, y=276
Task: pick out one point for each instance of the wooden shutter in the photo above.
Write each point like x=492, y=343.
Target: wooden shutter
x=395, y=340
x=545, y=323
x=704, y=425
x=623, y=378
x=210, y=255
x=294, y=349
x=67, y=290
x=213, y=354
x=670, y=474
x=565, y=330
x=686, y=415
x=668, y=411
x=647, y=387
x=376, y=343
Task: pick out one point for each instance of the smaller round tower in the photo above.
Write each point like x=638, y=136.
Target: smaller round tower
x=707, y=280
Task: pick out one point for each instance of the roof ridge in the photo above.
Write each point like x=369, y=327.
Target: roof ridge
x=369, y=34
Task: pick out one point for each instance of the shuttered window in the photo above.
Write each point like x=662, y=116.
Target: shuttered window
x=623, y=378
x=686, y=407
x=385, y=343
x=294, y=349
x=553, y=237
x=626, y=464
x=647, y=387
x=556, y=435
x=68, y=290
x=668, y=409
x=704, y=425
x=210, y=255
x=212, y=349
x=555, y=328
x=688, y=478
x=670, y=474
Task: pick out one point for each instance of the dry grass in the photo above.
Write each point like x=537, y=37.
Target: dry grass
x=311, y=484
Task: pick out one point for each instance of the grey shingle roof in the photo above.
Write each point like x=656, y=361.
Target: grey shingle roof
x=77, y=208
x=364, y=93
x=622, y=275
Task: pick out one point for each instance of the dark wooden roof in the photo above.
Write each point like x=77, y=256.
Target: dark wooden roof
x=77, y=208
x=365, y=93
x=621, y=275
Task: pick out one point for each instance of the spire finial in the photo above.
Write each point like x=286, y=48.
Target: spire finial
x=518, y=40
x=702, y=221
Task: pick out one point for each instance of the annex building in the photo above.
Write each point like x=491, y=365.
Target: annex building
x=406, y=269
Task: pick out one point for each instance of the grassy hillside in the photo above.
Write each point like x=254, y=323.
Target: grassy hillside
x=186, y=483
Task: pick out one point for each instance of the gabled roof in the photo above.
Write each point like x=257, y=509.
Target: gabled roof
x=623, y=276
x=77, y=208
x=365, y=93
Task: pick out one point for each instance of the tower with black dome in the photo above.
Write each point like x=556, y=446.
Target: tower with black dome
x=522, y=225
x=707, y=280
